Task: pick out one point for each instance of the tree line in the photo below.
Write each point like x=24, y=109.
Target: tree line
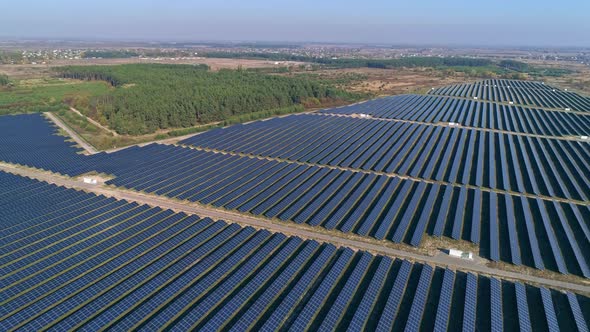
x=4, y=81
x=409, y=62
x=9, y=57
x=148, y=97
x=359, y=63
x=109, y=54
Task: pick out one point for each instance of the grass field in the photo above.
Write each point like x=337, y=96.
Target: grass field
x=45, y=94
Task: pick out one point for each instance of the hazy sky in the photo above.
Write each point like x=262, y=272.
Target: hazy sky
x=491, y=22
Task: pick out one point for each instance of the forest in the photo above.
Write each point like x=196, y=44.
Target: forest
x=109, y=54
x=522, y=67
x=149, y=97
x=258, y=56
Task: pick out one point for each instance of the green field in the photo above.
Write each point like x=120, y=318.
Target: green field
x=47, y=94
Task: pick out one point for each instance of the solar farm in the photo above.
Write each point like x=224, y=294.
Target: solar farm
x=502, y=166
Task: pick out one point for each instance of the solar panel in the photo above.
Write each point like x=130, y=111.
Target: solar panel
x=549, y=310
x=362, y=312
x=444, y=305
x=316, y=301
x=496, y=305
x=415, y=317
x=338, y=307
x=469, y=314
x=391, y=307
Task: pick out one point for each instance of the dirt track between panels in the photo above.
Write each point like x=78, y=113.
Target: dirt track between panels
x=74, y=135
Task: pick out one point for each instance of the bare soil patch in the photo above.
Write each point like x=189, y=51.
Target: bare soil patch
x=385, y=82
x=43, y=70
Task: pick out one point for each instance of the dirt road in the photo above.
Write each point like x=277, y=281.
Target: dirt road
x=94, y=122
x=74, y=135
x=334, y=237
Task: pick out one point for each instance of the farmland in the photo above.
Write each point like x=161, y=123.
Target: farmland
x=506, y=173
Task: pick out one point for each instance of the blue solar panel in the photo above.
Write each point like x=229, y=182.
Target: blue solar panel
x=233, y=284
x=572, y=243
x=415, y=317
x=411, y=211
x=425, y=215
x=338, y=307
x=144, y=265
x=394, y=299
x=524, y=321
x=459, y=214
x=318, y=298
x=283, y=310
x=350, y=203
x=577, y=312
x=550, y=314
x=442, y=213
x=471, y=301
x=494, y=228
x=444, y=305
x=336, y=200
x=374, y=214
x=512, y=233
x=551, y=235
x=362, y=312
x=496, y=304
x=262, y=303
x=400, y=196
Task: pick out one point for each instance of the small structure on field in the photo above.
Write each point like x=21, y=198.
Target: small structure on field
x=90, y=180
x=461, y=254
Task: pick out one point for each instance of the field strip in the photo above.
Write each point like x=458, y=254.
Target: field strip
x=82, y=142
x=94, y=122
x=306, y=232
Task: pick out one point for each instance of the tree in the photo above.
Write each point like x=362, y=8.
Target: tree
x=148, y=97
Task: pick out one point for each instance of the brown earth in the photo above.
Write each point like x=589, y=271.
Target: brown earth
x=41, y=70
x=579, y=81
x=384, y=82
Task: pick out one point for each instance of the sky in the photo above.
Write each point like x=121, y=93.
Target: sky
x=416, y=22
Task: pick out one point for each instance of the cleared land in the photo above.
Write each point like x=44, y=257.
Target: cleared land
x=385, y=82
x=44, y=70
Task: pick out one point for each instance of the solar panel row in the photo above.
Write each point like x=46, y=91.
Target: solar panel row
x=31, y=140
x=154, y=269
x=539, y=166
x=352, y=202
x=366, y=204
x=506, y=92
x=518, y=84
x=471, y=113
